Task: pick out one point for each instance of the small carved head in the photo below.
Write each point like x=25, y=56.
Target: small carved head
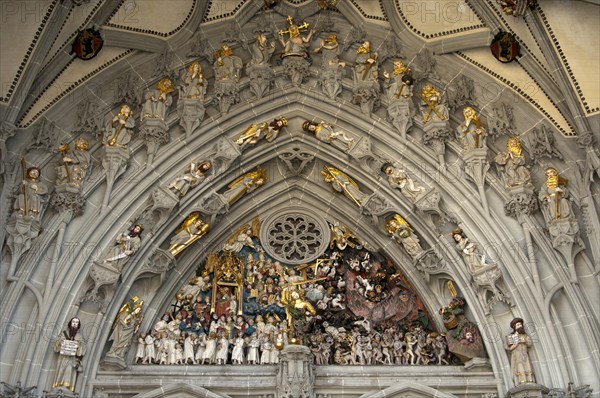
x=81, y=144
x=364, y=48
x=34, y=172
x=429, y=92
x=517, y=325
x=165, y=86
x=458, y=235
x=125, y=111
x=400, y=68
x=514, y=145
x=387, y=168
x=309, y=126
x=195, y=67
x=469, y=113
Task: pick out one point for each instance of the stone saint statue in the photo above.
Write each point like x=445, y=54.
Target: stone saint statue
x=192, y=229
x=75, y=164
x=126, y=325
x=553, y=197
x=518, y=344
x=70, y=348
x=471, y=130
x=295, y=45
x=227, y=66
x=31, y=193
x=295, y=59
x=255, y=132
x=194, y=176
x=120, y=129
x=399, y=95
x=432, y=107
x=261, y=51
x=127, y=244
x=324, y=132
x=194, y=84
x=158, y=100
x=365, y=68
x=245, y=184
x=399, y=179
x=342, y=183
x=401, y=231
x=513, y=164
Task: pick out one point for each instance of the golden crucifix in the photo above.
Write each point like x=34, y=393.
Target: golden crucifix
x=293, y=30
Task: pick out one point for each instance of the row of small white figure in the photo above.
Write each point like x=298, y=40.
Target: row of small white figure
x=389, y=350
x=211, y=350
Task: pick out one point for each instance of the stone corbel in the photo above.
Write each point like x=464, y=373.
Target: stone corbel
x=226, y=151
x=114, y=163
x=22, y=230
x=191, y=113
x=476, y=167
x=154, y=133
x=159, y=262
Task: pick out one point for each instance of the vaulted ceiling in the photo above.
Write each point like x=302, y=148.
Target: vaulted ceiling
x=559, y=46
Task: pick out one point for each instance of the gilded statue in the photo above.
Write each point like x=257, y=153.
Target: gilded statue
x=158, y=100
x=245, y=184
x=243, y=237
x=554, y=197
x=192, y=229
x=75, y=164
x=399, y=96
x=125, y=326
x=194, y=84
x=401, y=231
x=400, y=81
x=295, y=45
x=296, y=307
x=365, y=68
x=342, y=183
x=513, y=162
x=120, y=129
x=332, y=68
x=472, y=130
x=432, y=108
x=255, y=132
x=227, y=66
x=31, y=193
x=194, y=176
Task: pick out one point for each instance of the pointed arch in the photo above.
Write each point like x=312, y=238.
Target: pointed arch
x=181, y=390
x=412, y=389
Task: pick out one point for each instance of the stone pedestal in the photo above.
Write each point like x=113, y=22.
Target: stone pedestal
x=295, y=376
x=22, y=230
x=60, y=392
x=113, y=363
x=191, y=113
x=476, y=167
x=155, y=133
x=478, y=364
x=528, y=390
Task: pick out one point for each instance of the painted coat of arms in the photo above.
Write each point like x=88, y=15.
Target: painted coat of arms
x=87, y=44
x=505, y=47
